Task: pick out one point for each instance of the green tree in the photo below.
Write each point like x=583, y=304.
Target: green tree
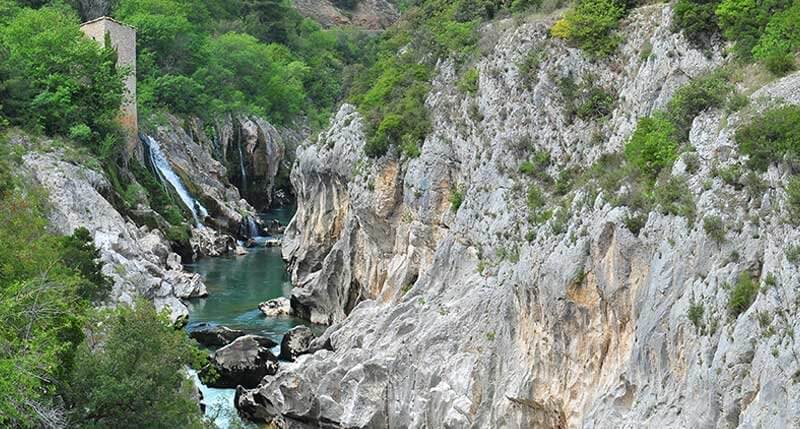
x=60, y=78
x=653, y=145
x=130, y=373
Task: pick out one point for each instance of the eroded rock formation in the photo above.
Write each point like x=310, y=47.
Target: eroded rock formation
x=475, y=317
x=137, y=259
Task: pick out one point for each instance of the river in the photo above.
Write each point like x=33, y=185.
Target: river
x=236, y=285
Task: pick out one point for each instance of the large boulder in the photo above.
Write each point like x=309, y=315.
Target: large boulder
x=296, y=342
x=211, y=335
x=276, y=307
x=244, y=362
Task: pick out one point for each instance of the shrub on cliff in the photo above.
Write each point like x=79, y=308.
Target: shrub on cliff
x=653, y=145
x=742, y=295
x=592, y=26
x=696, y=19
x=705, y=92
x=770, y=137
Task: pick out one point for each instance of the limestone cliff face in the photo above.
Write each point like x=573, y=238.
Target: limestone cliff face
x=256, y=153
x=137, y=259
x=478, y=318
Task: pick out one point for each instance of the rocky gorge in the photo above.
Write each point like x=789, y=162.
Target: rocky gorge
x=135, y=252
x=450, y=306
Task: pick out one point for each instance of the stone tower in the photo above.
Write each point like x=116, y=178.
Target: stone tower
x=123, y=40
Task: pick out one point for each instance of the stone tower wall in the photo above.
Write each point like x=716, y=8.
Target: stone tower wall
x=123, y=40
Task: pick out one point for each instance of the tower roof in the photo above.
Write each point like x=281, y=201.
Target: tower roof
x=107, y=18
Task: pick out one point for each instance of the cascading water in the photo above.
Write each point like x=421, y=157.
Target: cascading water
x=167, y=175
x=253, y=230
x=242, y=170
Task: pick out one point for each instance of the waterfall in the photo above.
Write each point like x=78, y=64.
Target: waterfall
x=252, y=228
x=167, y=175
x=242, y=170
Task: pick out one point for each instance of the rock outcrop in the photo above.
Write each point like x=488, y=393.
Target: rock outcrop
x=255, y=152
x=244, y=362
x=190, y=155
x=137, y=259
x=475, y=316
x=276, y=307
x=211, y=335
x=366, y=14
x=296, y=342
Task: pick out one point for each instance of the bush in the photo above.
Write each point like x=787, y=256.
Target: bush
x=535, y=198
x=456, y=199
x=770, y=137
x=597, y=103
x=469, y=82
x=780, y=41
x=742, y=295
x=693, y=98
x=529, y=68
x=675, y=198
x=744, y=21
x=695, y=314
x=714, y=228
x=635, y=222
x=79, y=253
x=792, y=254
x=793, y=199
x=696, y=19
x=591, y=26
x=653, y=145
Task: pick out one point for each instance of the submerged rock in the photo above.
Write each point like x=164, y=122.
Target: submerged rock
x=244, y=362
x=276, y=307
x=296, y=342
x=211, y=335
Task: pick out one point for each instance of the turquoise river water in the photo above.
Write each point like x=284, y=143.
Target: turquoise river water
x=236, y=285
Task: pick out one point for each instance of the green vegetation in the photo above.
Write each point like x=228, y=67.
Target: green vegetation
x=535, y=198
x=54, y=80
x=705, y=92
x=393, y=79
x=696, y=19
x=456, y=198
x=742, y=295
x=793, y=198
x=529, y=68
x=597, y=103
x=469, y=82
x=766, y=31
x=714, y=228
x=792, y=254
x=675, y=198
x=141, y=355
x=770, y=137
x=695, y=314
x=243, y=57
x=50, y=364
x=591, y=25
x=653, y=145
